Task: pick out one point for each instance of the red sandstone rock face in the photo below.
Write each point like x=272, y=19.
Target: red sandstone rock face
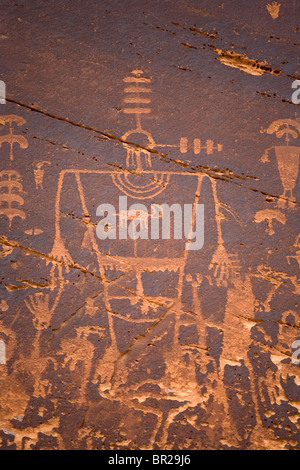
x=145, y=344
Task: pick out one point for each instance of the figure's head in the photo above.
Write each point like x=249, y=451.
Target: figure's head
x=138, y=157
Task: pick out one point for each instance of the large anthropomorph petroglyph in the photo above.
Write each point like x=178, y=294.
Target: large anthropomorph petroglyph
x=139, y=180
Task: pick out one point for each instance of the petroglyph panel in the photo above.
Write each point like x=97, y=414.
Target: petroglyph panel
x=123, y=125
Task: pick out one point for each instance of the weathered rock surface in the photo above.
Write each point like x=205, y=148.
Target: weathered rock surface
x=143, y=344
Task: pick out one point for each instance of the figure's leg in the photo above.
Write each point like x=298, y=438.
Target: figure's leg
x=178, y=305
